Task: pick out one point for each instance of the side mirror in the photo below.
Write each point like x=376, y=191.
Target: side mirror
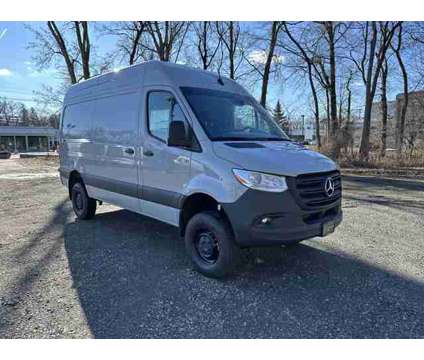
x=178, y=135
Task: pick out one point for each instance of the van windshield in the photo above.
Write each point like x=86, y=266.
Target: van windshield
x=229, y=116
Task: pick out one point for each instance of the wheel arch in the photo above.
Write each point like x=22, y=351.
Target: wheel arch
x=198, y=202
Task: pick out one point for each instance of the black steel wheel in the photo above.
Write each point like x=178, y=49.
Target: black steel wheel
x=210, y=244
x=207, y=246
x=84, y=206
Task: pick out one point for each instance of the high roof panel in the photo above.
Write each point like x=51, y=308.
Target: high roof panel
x=150, y=73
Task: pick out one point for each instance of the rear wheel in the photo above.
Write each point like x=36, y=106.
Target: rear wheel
x=84, y=206
x=210, y=244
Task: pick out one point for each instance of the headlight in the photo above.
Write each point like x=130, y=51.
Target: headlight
x=261, y=181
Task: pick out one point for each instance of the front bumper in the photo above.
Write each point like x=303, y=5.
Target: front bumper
x=288, y=222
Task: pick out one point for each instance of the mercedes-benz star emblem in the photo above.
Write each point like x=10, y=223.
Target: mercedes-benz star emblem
x=329, y=187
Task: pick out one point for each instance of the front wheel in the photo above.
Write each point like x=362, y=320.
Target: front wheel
x=84, y=206
x=210, y=244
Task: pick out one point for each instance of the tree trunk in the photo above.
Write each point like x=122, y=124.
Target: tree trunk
x=229, y=33
x=268, y=63
x=383, y=109
x=205, y=45
x=401, y=124
x=84, y=46
x=158, y=39
x=351, y=126
x=386, y=35
x=335, y=148
x=138, y=28
x=311, y=83
x=316, y=105
x=328, y=131
x=365, y=139
x=349, y=105
x=232, y=51
x=63, y=50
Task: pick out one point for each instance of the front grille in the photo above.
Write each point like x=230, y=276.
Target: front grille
x=309, y=189
x=320, y=215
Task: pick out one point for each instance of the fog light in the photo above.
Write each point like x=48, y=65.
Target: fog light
x=266, y=220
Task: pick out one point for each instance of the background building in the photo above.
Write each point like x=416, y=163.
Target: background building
x=27, y=139
x=300, y=133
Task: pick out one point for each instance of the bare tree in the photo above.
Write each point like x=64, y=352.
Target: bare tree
x=81, y=30
x=319, y=57
x=324, y=63
x=9, y=112
x=167, y=38
x=275, y=29
x=206, y=44
x=67, y=44
x=401, y=117
x=349, y=121
x=262, y=63
x=49, y=97
x=349, y=95
x=414, y=126
x=63, y=50
x=330, y=32
x=376, y=39
x=302, y=52
x=130, y=36
x=384, y=72
x=229, y=34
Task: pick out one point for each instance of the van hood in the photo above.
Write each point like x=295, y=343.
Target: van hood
x=275, y=157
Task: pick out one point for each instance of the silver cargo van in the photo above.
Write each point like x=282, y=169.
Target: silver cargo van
x=196, y=151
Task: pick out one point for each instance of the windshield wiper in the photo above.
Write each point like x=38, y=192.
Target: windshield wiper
x=273, y=139
x=230, y=138
x=236, y=138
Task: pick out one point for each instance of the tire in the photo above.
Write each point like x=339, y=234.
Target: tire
x=84, y=206
x=292, y=243
x=208, y=228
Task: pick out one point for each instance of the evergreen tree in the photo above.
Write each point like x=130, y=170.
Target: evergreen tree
x=280, y=117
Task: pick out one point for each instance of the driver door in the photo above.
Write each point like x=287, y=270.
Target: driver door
x=165, y=169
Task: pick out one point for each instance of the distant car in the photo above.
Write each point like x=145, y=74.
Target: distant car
x=4, y=154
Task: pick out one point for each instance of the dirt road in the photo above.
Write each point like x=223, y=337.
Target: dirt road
x=124, y=275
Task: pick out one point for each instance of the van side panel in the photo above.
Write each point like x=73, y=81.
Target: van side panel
x=112, y=171
x=76, y=125
x=112, y=197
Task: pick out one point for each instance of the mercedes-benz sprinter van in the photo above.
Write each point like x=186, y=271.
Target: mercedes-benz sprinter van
x=197, y=151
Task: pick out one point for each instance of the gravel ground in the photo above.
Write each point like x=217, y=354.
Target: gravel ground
x=123, y=275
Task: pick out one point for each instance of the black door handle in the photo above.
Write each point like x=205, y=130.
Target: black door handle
x=148, y=153
x=129, y=151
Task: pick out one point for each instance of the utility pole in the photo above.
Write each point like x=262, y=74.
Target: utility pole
x=303, y=127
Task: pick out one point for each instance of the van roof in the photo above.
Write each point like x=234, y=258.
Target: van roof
x=149, y=73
